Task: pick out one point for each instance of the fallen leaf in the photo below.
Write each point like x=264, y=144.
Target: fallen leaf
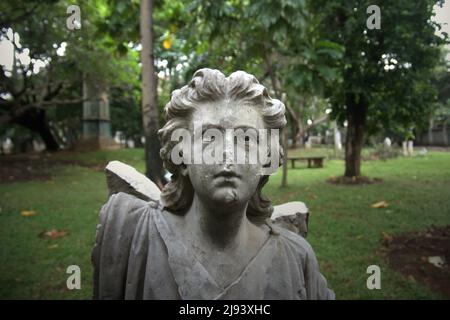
x=437, y=261
x=386, y=238
x=27, y=213
x=53, y=246
x=53, y=234
x=381, y=204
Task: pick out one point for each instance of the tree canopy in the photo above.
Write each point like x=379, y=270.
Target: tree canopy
x=319, y=57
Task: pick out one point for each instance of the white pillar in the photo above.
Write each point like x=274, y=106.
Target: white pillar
x=405, y=148
x=410, y=147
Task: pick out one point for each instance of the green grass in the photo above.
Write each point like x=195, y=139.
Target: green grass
x=345, y=231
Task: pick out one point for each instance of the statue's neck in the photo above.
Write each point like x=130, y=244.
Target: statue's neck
x=224, y=227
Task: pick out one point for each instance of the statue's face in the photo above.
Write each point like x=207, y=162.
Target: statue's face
x=230, y=183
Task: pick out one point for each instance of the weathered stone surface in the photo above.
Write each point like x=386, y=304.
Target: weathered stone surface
x=124, y=178
x=209, y=235
x=293, y=216
x=121, y=177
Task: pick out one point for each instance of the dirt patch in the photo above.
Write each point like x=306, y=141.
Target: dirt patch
x=356, y=181
x=22, y=168
x=35, y=166
x=422, y=256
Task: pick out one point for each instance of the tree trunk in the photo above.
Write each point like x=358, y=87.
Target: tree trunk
x=297, y=133
x=356, y=114
x=299, y=128
x=300, y=133
x=444, y=132
x=48, y=138
x=150, y=115
x=285, y=156
x=36, y=120
x=294, y=135
x=430, y=131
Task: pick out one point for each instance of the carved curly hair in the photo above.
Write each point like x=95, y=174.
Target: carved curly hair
x=208, y=85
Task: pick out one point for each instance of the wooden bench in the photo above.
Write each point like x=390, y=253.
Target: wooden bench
x=313, y=161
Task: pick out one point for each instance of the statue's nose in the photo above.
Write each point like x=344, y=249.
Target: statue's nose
x=228, y=149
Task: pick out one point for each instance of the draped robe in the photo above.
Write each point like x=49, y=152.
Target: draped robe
x=139, y=255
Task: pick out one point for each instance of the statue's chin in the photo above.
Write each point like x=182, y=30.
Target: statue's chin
x=226, y=197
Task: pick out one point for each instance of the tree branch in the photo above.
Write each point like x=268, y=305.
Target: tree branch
x=320, y=120
x=20, y=110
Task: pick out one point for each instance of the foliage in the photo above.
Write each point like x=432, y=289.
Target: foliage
x=401, y=94
x=55, y=91
x=126, y=115
x=441, y=81
x=267, y=38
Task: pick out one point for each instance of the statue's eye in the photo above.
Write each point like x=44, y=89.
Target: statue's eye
x=208, y=138
x=251, y=139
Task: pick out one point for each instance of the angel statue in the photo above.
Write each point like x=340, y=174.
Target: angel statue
x=209, y=233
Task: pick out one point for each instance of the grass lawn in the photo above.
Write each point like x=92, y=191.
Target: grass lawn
x=345, y=231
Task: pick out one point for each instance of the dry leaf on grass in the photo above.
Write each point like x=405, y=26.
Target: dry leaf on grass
x=27, y=213
x=437, y=261
x=381, y=204
x=386, y=238
x=54, y=234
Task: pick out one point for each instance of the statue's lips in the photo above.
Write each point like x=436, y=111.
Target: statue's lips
x=227, y=175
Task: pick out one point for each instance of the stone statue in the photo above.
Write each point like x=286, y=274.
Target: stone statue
x=208, y=233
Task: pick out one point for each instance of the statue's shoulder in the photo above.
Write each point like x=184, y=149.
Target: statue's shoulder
x=125, y=222
x=121, y=215
x=125, y=208
x=315, y=282
x=292, y=239
x=133, y=201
